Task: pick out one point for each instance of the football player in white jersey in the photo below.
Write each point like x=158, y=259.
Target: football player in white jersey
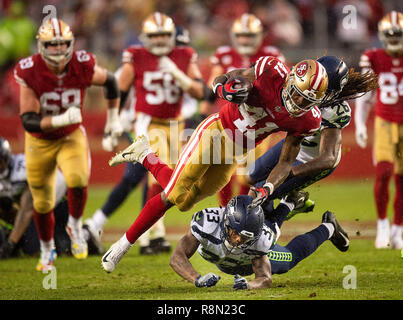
x=320, y=153
x=239, y=242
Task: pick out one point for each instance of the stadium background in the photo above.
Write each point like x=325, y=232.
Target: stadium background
x=300, y=28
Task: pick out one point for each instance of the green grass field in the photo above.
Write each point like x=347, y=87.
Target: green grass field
x=379, y=273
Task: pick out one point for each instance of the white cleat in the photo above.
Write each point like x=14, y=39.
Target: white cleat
x=396, y=241
x=382, y=240
x=94, y=235
x=47, y=260
x=136, y=152
x=115, y=253
x=79, y=247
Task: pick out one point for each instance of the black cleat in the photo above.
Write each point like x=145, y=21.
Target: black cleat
x=302, y=203
x=160, y=245
x=340, y=237
x=147, y=251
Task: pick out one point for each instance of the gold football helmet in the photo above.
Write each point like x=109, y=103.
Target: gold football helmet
x=55, y=32
x=158, y=24
x=247, y=34
x=390, y=31
x=305, y=87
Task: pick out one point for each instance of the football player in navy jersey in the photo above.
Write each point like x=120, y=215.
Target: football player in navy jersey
x=240, y=242
x=320, y=153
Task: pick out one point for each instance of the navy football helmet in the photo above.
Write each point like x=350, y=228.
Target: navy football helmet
x=182, y=36
x=245, y=222
x=337, y=72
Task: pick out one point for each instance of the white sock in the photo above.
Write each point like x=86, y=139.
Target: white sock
x=74, y=223
x=124, y=242
x=99, y=218
x=329, y=227
x=396, y=231
x=290, y=205
x=47, y=245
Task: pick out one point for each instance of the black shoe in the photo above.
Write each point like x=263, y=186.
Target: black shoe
x=147, y=251
x=340, y=237
x=301, y=201
x=160, y=245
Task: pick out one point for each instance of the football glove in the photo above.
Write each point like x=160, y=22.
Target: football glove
x=240, y=283
x=113, y=129
x=227, y=91
x=208, y=280
x=165, y=64
x=261, y=195
x=361, y=136
x=71, y=116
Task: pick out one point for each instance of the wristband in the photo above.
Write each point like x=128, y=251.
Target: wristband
x=269, y=186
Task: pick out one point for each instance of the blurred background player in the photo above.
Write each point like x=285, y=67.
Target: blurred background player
x=17, y=229
x=161, y=73
x=387, y=63
x=239, y=241
x=52, y=88
x=247, y=47
x=320, y=154
x=150, y=242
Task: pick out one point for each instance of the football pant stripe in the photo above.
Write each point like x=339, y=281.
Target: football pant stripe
x=187, y=152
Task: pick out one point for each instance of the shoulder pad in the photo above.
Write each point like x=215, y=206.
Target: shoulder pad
x=336, y=116
x=223, y=49
x=206, y=222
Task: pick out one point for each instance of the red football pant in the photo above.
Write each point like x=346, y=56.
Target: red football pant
x=160, y=171
x=398, y=203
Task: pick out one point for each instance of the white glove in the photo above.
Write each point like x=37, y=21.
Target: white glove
x=165, y=64
x=113, y=129
x=361, y=136
x=71, y=116
x=125, y=120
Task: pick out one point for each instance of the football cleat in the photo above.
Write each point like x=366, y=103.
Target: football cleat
x=396, y=241
x=79, y=247
x=115, y=253
x=382, y=240
x=136, y=152
x=339, y=238
x=302, y=203
x=47, y=260
x=94, y=240
x=160, y=245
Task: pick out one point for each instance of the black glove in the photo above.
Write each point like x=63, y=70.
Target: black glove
x=7, y=249
x=227, y=91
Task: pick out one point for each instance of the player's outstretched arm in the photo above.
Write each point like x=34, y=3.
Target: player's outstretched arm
x=330, y=143
x=185, y=249
x=262, y=269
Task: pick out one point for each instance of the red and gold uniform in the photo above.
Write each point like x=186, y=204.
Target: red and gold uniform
x=208, y=160
x=65, y=147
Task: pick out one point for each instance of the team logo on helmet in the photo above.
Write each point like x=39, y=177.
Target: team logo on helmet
x=301, y=69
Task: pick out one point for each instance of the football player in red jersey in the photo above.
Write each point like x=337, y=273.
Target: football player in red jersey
x=52, y=89
x=246, y=37
x=277, y=101
x=160, y=73
x=387, y=63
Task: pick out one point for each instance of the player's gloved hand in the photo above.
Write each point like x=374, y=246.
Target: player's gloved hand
x=240, y=283
x=165, y=64
x=113, y=129
x=7, y=249
x=208, y=280
x=361, y=136
x=71, y=116
x=261, y=194
x=227, y=91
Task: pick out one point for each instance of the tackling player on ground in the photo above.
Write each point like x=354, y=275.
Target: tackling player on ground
x=240, y=242
x=52, y=89
x=277, y=101
x=387, y=63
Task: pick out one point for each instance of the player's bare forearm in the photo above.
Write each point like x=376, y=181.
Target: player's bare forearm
x=330, y=143
x=180, y=262
x=288, y=155
x=262, y=269
x=23, y=217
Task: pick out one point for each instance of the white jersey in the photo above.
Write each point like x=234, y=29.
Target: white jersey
x=206, y=226
x=334, y=116
x=13, y=181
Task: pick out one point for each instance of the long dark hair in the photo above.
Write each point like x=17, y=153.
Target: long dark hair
x=357, y=85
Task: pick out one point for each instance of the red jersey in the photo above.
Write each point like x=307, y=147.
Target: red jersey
x=389, y=95
x=228, y=58
x=56, y=93
x=158, y=94
x=264, y=112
